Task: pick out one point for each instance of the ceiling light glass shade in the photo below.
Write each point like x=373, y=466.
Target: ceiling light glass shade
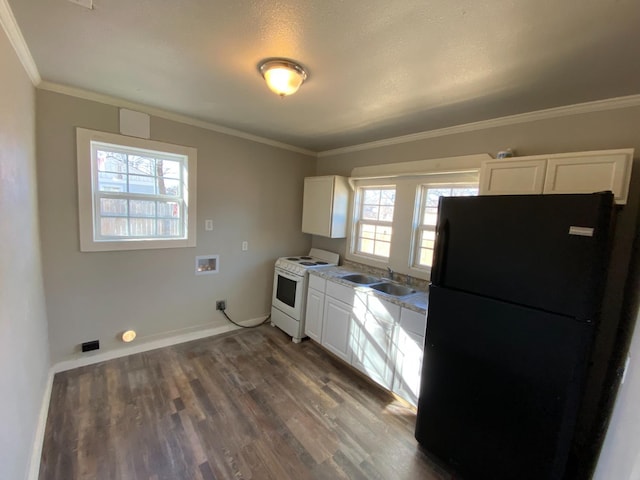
x=283, y=77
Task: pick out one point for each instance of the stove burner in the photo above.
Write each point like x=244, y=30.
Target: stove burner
x=306, y=258
x=292, y=258
x=320, y=262
x=307, y=264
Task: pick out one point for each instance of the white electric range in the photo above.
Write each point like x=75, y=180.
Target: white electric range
x=290, y=289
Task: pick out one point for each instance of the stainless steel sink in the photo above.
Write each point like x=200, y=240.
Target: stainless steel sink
x=393, y=289
x=360, y=279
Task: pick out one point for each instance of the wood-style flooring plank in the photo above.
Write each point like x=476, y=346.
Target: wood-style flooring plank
x=248, y=405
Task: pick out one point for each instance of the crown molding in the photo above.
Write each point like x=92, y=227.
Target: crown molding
x=579, y=108
x=157, y=112
x=14, y=34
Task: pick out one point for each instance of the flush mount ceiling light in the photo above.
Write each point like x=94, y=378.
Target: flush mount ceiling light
x=283, y=76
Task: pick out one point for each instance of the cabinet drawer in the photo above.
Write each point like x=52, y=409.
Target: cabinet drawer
x=413, y=322
x=341, y=292
x=317, y=283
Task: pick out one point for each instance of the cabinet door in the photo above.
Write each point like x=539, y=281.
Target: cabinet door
x=409, y=353
x=317, y=205
x=336, y=328
x=372, y=337
x=313, y=318
x=324, y=206
x=590, y=172
x=512, y=177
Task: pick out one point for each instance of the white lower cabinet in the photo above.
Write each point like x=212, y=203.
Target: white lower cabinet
x=410, y=334
x=336, y=327
x=379, y=338
x=372, y=338
x=315, y=308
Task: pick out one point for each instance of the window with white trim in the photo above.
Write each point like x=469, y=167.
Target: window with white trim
x=134, y=193
x=425, y=230
x=374, y=219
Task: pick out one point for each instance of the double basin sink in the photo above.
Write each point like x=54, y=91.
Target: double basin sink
x=393, y=289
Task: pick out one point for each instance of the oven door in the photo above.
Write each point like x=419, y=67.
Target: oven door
x=287, y=293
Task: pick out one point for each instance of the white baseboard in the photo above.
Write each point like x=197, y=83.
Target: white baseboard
x=151, y=343
x=38, y=439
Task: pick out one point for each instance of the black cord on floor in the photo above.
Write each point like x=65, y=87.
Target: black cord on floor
x=246, y=326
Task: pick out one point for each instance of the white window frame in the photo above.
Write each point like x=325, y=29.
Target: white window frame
x=407, y=177
x=88, y=194
x=419, y=226
x=357, y=221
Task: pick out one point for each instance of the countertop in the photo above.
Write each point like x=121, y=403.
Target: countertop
x=418, y=302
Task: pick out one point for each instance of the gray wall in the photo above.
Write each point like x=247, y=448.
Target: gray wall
x=593, y=131
x=24, y=351
x=620, y=457
x=251, y=191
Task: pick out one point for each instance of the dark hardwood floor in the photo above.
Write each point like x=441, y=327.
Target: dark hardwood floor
x=246, y=405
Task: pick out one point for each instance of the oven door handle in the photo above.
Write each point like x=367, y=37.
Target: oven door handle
x=290, y=276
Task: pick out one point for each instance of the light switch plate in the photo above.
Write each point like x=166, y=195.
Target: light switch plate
x=208, y=225
x=245, y=246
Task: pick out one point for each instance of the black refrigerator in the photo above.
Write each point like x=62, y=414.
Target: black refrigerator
x=512, y=374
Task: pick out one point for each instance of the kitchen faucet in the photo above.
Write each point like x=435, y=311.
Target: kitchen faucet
x=390, y=273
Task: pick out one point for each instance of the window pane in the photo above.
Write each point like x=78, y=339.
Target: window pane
x=142, y=227
x=113, y=227
x=168, y=168
x=140, y=184
x=111, y=161
x=371, y=196
x=168, y=210
x=169, y=187
x=113, y=207
x=142, y=208
x=464, y=192
x=430, y=216
x=168, y=228
x=425, y=251
x=388, y=197
x=367, y=231
x=366, y=246
x=428, y=239
x=370, y=212
x=383, y=234
x=142, y=165
x=112, y=182
x=382, y=249
x=386, y=214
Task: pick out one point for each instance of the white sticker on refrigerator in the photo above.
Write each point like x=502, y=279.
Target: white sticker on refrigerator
x=581, y=231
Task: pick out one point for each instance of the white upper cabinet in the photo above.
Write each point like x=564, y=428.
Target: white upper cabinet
x=581, y=172
x=325, y=204
x=512, y=176
x=590, y=172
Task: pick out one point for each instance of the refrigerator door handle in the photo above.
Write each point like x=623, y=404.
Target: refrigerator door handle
x=440, y=253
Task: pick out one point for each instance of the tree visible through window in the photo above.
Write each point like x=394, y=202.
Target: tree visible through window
x=138, y=196
x=134, y=193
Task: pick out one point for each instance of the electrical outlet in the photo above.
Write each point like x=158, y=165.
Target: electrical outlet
x=245, y=246
x=208, y=225
x=221, y=305
x=92, y=345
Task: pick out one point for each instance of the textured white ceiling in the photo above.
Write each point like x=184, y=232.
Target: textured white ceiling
x=377, y=69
